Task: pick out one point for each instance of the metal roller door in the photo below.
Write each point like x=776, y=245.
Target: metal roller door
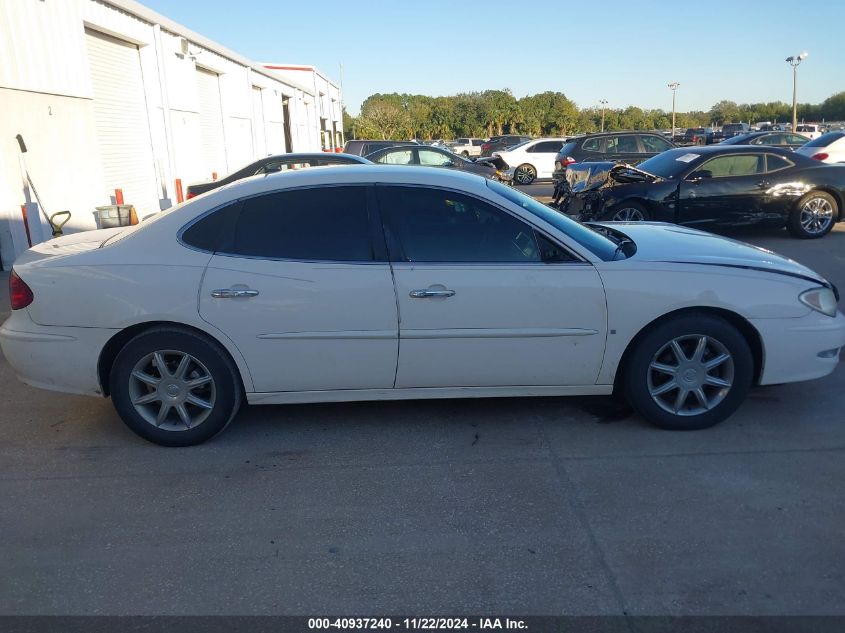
x=120, y=115
x=211, y=122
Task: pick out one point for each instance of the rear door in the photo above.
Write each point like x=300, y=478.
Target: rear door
x=302, y=286
x=479, y=305
x=542, y=156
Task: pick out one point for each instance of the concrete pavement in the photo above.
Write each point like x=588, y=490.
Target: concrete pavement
x=520, y=506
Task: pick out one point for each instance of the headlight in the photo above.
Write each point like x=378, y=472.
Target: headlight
x=820, y=299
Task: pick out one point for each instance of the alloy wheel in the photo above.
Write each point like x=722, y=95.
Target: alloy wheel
x=629, y=214
x=172, y=390
x=816, y=215
x=690, y=375
x=525, y=174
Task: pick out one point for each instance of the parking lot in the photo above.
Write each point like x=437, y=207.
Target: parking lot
x=518, y=506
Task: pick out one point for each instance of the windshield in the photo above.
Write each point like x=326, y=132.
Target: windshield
x=732, y=127
x=825, y=139
x=597, y=244
x=670, y=164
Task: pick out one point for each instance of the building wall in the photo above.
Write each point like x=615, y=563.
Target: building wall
x=46, y=95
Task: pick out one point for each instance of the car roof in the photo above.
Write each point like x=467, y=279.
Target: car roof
x=350, y=175
x=719, y=148
x=613, y=133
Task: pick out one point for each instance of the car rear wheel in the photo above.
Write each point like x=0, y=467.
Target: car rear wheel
x=813, y=216
x=629, y=212
x=174, y=387
x=689, y=373
x=525, y=174
x=465, y=154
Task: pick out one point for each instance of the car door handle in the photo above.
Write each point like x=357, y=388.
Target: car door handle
x=424, y=294
x=763, y=184
x=233, y=293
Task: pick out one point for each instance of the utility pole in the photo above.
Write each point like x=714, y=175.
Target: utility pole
x=603, y=103
x=793, y=61
x=673, y=87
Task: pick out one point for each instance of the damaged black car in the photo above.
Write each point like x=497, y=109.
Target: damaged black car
x=724, y=185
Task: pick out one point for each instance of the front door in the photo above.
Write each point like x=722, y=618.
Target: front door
x=727, y=189
x=305, y=292
x=478, y=305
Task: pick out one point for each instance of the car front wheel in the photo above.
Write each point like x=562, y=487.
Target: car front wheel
x=689, y=373
x=175, y=387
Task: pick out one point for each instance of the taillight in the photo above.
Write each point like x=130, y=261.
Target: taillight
x=566, y=162
x=190, y=195
x=20, y=294
x=485, y=147
x=820, y=156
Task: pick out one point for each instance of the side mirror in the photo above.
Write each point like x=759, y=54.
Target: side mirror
x=701, y=174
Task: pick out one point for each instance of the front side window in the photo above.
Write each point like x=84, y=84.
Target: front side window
x=734, y=165
x=324, y=224
x=654, y=144
x=431, y=158
x=433, y=225
x=400, y=157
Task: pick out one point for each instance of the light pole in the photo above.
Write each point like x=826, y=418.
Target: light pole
x=794, y=61
x=673, y=87
x=603, y=103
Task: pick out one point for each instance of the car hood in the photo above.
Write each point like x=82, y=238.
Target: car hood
x=662, y=242
x=589, y=176
x=68, y=245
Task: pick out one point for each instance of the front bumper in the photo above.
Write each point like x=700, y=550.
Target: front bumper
x=55, y=358
x=800, y=349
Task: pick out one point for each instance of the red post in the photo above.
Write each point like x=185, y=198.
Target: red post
x=214, y=175
x=118, y=196
x=26, y=225
x=180, y=197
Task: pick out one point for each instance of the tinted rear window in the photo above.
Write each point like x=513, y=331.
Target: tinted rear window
x=323, y=224
x=668, y=164
x=825, y=139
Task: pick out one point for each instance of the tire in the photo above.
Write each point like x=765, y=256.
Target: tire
x=813, y=216
x=654, y=366
x=629, y=212
x=140, y=390
x=525, y=174
x=465, y=154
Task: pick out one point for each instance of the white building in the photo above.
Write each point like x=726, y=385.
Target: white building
x=109, y=95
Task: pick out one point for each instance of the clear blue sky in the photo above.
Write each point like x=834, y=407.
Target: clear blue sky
x=622, y=51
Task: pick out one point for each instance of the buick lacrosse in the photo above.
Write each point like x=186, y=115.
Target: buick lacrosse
x=380, y=282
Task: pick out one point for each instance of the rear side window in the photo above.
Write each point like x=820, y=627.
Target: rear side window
x=654, y=144
x=477, y=142
x=774, y=163
x=208, y=232
x=323, y=224
x=547, y=147
x=591, y=145
x=433, y=225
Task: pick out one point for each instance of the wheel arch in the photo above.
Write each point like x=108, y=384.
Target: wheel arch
x=745, y=328
x=112, y=348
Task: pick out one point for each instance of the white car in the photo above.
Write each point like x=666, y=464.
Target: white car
x=810, y=130
x=828, y=148
x=467, y=147
x=289, y=288
x=531, y=160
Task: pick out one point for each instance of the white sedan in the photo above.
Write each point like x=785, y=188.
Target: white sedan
x=531, y=160
x=828, y=148
x=377, y=282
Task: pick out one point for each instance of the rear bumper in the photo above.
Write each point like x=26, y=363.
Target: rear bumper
x=800, y=349
x=55, y=358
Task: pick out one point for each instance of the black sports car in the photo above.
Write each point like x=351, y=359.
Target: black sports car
x=718, y=185
x=280, y=162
